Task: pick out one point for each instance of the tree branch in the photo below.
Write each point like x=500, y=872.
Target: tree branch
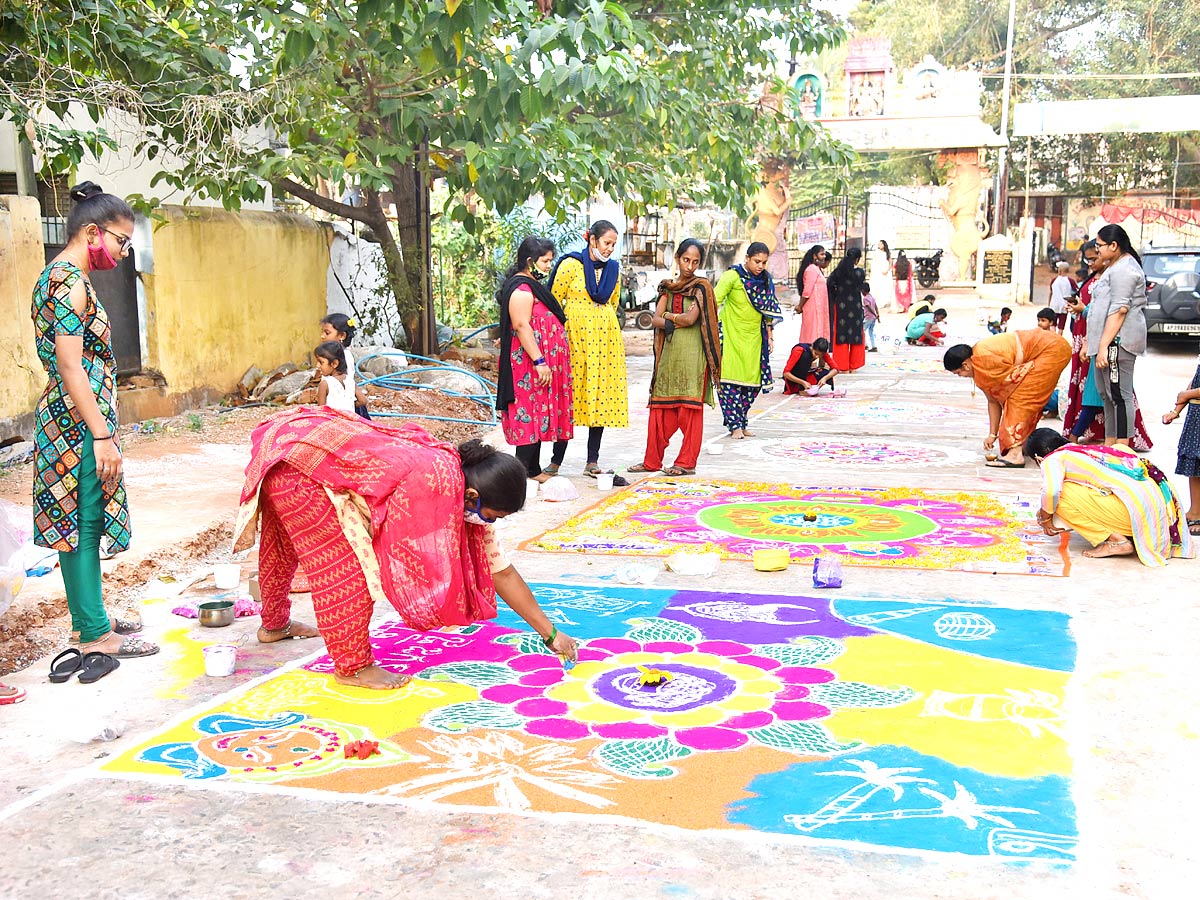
x=333, y=207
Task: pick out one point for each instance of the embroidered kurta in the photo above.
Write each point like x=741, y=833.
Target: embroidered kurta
x=597, y=350
x=59, y=426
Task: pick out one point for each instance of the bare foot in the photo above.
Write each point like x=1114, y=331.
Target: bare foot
x=736, y=435
x=1110, y=548
x=747, y=433
x=294, y=629
x=376, y=678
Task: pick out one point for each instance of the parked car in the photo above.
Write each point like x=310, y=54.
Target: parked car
x=1172, y=291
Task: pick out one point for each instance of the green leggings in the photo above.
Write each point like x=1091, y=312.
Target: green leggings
x=81, y=569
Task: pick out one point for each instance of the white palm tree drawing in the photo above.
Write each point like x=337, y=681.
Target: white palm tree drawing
x=872, y=780
x=503, y=762
x=966, y=807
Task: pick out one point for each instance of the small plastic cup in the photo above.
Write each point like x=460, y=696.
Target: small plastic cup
x=227, y=576
x=716, y=449
x=604, y=481
x=531, y=490
x=220, y=660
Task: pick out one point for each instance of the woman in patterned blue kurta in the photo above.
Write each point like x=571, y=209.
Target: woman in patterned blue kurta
x=78, y=495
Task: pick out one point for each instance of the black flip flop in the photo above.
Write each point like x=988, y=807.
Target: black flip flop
x=66, y=664
x=96, y=666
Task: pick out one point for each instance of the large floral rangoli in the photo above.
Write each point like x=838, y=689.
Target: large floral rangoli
x=928, y=726
x=905, y=527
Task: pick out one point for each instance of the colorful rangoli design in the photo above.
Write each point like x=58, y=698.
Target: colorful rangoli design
x=858, y=453
x=936, y=726
x=865, y=412
x=904, y=527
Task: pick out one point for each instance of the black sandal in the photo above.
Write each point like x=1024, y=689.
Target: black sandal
x=96, y=666
x=66, y=664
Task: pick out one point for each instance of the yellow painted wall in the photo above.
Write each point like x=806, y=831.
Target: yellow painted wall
x=22, y=258
x=232, y=290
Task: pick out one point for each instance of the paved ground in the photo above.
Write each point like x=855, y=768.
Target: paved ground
x=1134, y=718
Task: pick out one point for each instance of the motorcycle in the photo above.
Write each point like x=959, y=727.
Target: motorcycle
x=927, y=269
x=1054, y=256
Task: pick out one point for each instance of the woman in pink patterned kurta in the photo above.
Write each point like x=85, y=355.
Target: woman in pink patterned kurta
x=814, y=297
x=534, y=395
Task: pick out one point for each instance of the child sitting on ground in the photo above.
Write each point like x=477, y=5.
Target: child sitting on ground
x=1000, y=326
x=336, y=390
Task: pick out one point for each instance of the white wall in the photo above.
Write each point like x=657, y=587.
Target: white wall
x=123, y=172
x=358, y=266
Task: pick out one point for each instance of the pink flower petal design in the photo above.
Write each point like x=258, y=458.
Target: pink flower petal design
x=792, y=692
x=557, y=728
x=723, y=648
x=510, y=693
x=803, y=675
x=747, y=721
x=535, y=661
x=799, y=711
x=668, y=647
x=760, y=662
x=627, y=731
x=713, y=738
x=540, y=707
x=543, y=677
x=586, y=654
x=615, y=645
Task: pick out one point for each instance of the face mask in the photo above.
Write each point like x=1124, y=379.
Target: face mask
x=598, y=256
x=99, y=259
x=539, y=274
x=473, y=515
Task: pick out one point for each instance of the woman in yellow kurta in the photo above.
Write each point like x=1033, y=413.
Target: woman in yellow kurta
x=1018, y=372
x=588, y=285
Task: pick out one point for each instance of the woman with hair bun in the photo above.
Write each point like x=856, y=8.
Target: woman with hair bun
x=79, y=498
x=379, y=512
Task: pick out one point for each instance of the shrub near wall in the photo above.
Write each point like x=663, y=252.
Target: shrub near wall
x=22, y=258
x=232, y=290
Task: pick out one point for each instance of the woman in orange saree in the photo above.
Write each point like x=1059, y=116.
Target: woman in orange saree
x=1018, y=372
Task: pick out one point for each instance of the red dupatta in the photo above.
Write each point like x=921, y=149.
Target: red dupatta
x=432, y=565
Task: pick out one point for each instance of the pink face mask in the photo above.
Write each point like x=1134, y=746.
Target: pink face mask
x=99, y=258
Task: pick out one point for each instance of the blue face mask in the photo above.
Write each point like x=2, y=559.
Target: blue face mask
x=473, y=515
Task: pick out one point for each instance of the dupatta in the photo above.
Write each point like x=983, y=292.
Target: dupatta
x=709, y=323
x=433, y=565
x=761, y=291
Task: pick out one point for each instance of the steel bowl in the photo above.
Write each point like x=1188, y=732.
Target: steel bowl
x=216, y=614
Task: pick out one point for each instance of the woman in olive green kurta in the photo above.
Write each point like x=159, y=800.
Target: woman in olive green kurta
x=687, y=360
x=749, y=312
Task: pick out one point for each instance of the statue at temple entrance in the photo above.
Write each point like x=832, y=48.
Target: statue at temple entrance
x=772, y=203
x=962, y=207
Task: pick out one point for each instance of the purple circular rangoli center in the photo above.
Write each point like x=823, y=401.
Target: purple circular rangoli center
x=690, y=688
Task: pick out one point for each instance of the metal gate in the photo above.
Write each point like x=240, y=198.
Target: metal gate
x=117, y=292
x=825, y=221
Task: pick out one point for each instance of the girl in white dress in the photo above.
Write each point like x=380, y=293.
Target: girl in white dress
x=336, y=390
x=341, y=328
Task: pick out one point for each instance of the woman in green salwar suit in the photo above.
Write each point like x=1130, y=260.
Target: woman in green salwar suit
x=687, y=362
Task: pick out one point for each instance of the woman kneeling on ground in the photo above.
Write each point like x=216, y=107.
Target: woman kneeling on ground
x=372, y=512
x=809, y=366
x=1119, y=503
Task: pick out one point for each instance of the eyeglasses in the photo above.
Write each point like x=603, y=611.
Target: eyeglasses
x=123, y=242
